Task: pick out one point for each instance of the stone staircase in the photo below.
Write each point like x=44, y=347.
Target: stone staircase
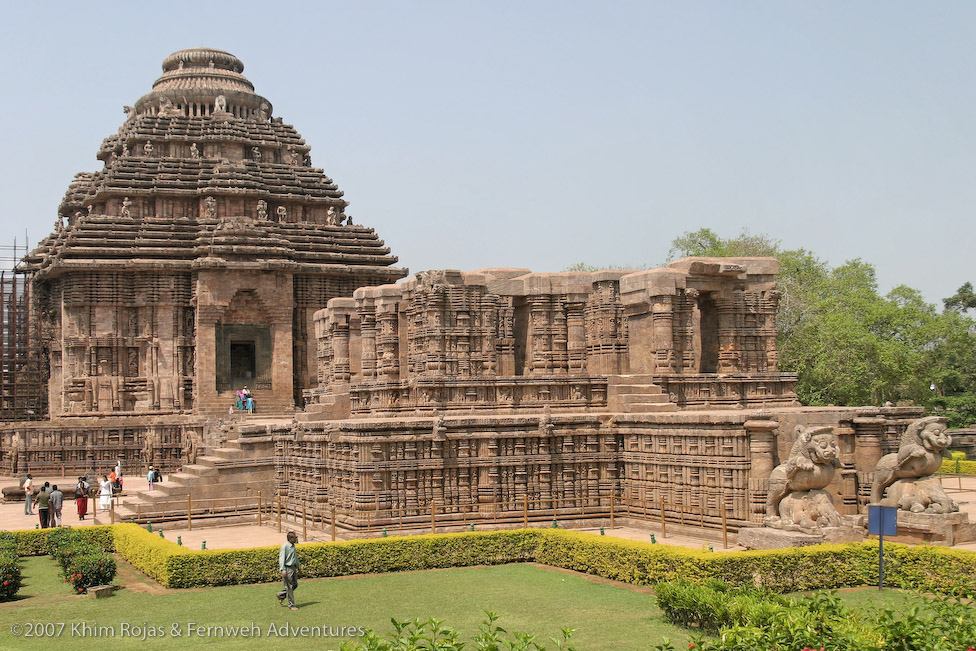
x=223, y=484
x=636, y=394
x=264, y=403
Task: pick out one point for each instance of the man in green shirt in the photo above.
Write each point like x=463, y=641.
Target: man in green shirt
x=289, y=565
x=43, y=503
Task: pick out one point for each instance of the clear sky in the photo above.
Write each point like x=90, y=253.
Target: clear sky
x=540, y=134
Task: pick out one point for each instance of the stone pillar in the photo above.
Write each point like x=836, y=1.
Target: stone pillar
x=340, y=349
x=538, y=335
x=575, y=338
x=560, y=341
x=367, y=318
x=387, y=342
x=729, y=356
x=762, y=457
x=868, y=432
x=663, y=328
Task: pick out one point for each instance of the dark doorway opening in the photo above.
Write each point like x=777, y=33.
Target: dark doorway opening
x=243, y=362
x=709, y=334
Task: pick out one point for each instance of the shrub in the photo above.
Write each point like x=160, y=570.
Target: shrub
x=82, y=560
x=10, y=580
x=432, y=635
x=958, y=467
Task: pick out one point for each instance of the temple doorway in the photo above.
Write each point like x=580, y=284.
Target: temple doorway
x=708, y=362
x=242, y=362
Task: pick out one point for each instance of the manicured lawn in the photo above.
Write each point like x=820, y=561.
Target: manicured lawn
x=528, y=598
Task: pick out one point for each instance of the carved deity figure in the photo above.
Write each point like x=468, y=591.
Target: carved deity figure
x=220, y=104
x=264, y=112
x=125, y=149
x=256, y=153
x=333, y=217
x=282, y=213
x=439, y=430
x=210, y=207
x=906, y=474
x=147, y=148
x=153, y=441
x=262, y=209
x=194, y=152
x=797, y=499
x=126, y=207
x=189, y=449
x=294, y=156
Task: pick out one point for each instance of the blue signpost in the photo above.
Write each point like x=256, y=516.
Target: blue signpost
x=882, y=521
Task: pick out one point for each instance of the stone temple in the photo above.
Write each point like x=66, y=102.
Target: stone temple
x=208, y=254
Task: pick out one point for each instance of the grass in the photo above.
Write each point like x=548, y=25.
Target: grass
x=529, y=598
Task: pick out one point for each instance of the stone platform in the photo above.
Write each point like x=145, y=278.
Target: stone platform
x=769, y=538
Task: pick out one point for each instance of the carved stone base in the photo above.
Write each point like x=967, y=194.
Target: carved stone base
x=938, y=528
x=924, y=495
x=806, y=511
x=769, y=538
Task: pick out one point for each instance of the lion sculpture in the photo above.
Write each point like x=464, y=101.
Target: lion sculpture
x=797, y=499
x=906, y=474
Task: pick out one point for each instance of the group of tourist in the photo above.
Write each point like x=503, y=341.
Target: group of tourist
x=245, y=401
x=49, y=501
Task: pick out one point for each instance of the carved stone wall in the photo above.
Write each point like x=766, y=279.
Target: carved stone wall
x=77, y=447
x=703, y=330
x=697, y=466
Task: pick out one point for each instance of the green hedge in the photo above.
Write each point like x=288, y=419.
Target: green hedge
x=222, y=567
x=34, y=542
x=963, y=468
x=927, y=568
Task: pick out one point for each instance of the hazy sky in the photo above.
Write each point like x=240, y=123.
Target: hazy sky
x=541, y=134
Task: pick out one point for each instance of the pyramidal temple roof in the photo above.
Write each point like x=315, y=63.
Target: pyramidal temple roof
x=200, y=173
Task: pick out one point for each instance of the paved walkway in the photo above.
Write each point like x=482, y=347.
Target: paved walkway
x=241, y=536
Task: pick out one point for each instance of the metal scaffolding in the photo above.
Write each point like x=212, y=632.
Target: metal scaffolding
x=23, y=390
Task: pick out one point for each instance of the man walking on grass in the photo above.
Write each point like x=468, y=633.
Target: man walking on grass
x=289, y=565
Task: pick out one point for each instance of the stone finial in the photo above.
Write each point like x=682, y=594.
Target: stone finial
x=906, y=475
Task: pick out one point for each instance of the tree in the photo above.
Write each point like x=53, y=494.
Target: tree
x=964, y=299
x=851, y=346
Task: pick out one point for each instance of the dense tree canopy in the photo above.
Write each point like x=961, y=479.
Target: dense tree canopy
x=852, y=346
